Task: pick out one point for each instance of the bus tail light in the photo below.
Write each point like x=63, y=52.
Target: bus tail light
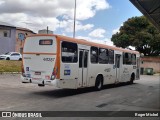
x=54, y=73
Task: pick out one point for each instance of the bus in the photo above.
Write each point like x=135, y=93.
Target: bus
x=65, y=62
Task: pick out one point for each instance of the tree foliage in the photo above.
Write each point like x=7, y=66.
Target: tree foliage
x=139, y=33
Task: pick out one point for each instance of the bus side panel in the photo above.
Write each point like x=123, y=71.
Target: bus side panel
x=126, y=73
x=68, y=73
x=111, y=74
x=92, y=73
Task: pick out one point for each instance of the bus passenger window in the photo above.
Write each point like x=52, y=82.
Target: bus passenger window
x=94, y=55
x=124, y=58
x=80, y=59
x=103, y=56
x=111, y=56
x=85, y=59
x=133, y=59
x=69, y=52
x=127, y=59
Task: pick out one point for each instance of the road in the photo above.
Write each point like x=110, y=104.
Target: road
x=143, y=95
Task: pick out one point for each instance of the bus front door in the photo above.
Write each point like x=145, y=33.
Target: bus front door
x=117, y=67
x=83, y=68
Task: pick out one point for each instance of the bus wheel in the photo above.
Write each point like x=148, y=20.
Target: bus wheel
x=132, y=78
x=99, y=82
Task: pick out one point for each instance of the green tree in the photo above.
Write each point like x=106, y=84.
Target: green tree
x=139, y=33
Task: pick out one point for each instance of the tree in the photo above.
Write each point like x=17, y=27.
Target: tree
x=139, y=33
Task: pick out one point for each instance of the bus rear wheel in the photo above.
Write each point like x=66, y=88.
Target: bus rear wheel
x=132, y=79
x=99, y=83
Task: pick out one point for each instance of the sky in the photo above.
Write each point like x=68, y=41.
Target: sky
x=96, y=20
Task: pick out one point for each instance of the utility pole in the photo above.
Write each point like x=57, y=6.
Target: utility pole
x=47, y=29
x=74, y=27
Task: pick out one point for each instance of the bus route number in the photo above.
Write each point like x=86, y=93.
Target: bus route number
x=49, y=59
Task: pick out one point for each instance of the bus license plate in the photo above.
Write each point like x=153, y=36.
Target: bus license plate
x=37, y=73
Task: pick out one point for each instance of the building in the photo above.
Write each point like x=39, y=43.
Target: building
x=151, y=62
x=12, y=38
x=21, y=34
x=44, y=31
x=7, y=37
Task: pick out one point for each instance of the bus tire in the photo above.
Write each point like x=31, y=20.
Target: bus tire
x=99, y=82
x=132, y=78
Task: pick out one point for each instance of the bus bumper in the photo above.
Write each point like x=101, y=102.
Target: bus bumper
x=52, y=82
x=40, y=81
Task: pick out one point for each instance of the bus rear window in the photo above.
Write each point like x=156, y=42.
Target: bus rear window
x=46, y=42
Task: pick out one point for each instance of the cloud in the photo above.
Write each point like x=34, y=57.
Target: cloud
x=106, y=41
x=31, y=22
x=67, y=25
x=53, y=8
x=45, y=8
x=38, y=14
x=87, y=8
x=97, y=33
x=114, y=31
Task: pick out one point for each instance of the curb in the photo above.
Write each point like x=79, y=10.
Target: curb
x=10, y=72
x=156, y=74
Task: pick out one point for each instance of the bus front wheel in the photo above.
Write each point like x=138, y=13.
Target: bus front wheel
x=99, y=82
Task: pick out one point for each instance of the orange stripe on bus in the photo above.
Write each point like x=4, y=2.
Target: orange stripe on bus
x=58, y=57
x=40, y=53
x=85, y=42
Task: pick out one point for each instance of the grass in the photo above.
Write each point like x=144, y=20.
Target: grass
x=10, y=66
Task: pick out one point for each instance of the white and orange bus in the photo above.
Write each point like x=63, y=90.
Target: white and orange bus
x=73, y=63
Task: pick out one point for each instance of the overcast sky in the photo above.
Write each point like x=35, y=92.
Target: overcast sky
x=96, y=20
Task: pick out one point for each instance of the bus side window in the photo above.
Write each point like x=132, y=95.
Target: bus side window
x=111, y=56
x=133, y=59
x=103, y=56
x=127, y=58
x=94, y=55
x=69, y=52
x=124, y=58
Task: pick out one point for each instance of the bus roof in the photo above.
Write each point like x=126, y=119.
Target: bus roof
x=85, y=42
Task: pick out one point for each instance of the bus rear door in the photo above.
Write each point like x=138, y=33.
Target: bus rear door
x=83, y=68
x=117, y=67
